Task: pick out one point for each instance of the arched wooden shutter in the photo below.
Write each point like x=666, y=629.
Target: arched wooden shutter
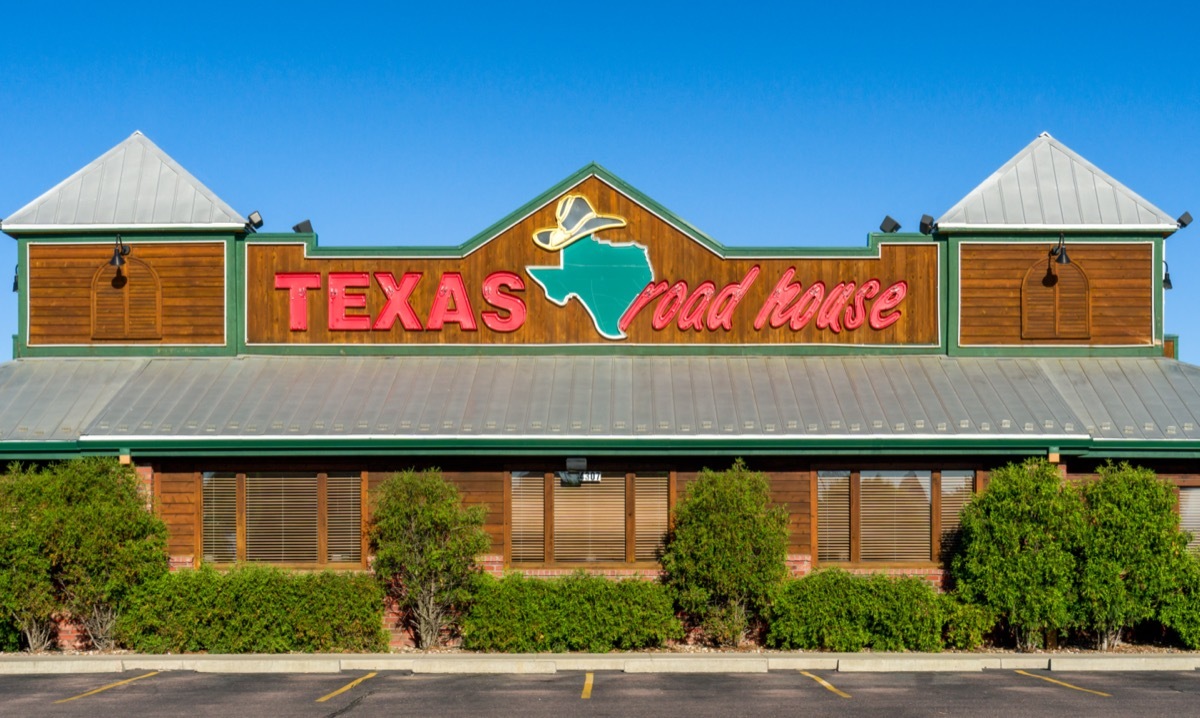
x=1055, y=302
x=127, y=306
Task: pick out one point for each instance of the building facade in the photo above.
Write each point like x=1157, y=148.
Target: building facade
x=574, y=366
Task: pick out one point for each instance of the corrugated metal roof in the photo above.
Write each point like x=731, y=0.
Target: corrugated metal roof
x=805, y=399
x=1048, y=187
x=133, y=186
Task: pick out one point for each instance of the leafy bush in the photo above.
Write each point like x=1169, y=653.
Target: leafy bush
x=966, y=625
x=728, y=551
x=1180, y=608
x=425, y=545
x=1133, y=552
x=1019, y=552
x=255, y=609
x=574, y=613
x=75, y=536
x=10, y=636
x=837, y=611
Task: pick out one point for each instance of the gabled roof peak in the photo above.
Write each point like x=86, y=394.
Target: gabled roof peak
x=133, y=186
x=1048, y=187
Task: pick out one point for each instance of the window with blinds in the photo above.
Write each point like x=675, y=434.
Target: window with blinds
x=651, y=499
x=895, y=515
x=528, y=516
x=958, y=487
x=282, y=518
x=589, y=520
x=1189, y=514
x=833, y=515
x=219, y=494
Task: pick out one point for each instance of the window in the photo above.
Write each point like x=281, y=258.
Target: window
x=889, y=515
x=612, y=518
x=283, y=518
x=1189, y=513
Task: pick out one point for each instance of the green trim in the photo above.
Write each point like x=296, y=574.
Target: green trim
x=129, y=350
x=1025, y=350
x=1175, y=339
x=613, y=349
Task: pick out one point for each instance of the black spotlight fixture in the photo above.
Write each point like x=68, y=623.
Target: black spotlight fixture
x=1166, y=275
x=573, y=476
x=16, y=278
x=1184, y=219
x=1060, y=252
x=889, y=225
x=926, y=224
x=303, y=227
x=120, y=252
x=254, y=221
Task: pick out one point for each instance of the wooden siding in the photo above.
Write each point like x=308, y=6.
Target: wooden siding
x=177, y=495
x=673, y=255
x=1118, y=279
x=62, y=300
x=476, y=488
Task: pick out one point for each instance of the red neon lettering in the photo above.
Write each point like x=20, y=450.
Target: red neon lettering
x=720, y=312
x=298, y=284
x=827, y=317
x=890, y=299
x=397, y=306
x=669, y=305
x=515, y=308
x=691, y=316
x=785, y=291
x=451, y=305
x=856, y=313
x=340, y=300
x=652, y=290
x=810, y=302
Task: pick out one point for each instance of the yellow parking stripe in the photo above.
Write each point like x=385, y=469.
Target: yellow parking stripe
x=587, y=687
x=104, y=688
x=828, y=686
x=346, y=687
x=1064, y=685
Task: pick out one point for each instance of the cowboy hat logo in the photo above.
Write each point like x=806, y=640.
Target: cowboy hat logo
x=576, y=220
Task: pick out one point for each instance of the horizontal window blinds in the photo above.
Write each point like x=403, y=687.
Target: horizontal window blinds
x=958, y=486
x=219, y=495
x=343, y=504
x=528, y=516
x=650, y=509
x=895, y=515
x=833, y=515
x=589, y=520
x=1189, y=514
x=281, y=518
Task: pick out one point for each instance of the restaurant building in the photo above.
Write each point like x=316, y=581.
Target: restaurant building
x=575, y=365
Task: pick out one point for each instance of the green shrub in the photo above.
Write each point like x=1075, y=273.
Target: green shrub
x=574, y=613
x=837, y=611
x=10, y=636
x=966, y=625
x=255, y=609
x=75, y=536
x=1019, y=552
x=1179, y=611
x=1133, y=551
x=425, y=545
x=728, y=551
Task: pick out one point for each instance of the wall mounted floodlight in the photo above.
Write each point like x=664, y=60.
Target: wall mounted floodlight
x=1060, y=252
x=573, y=476
x=927, y=224
x=889, y=225
x=120, y=252
x=303, y=227
x=1184, y=219
x=254, y=221
x=1166, y=275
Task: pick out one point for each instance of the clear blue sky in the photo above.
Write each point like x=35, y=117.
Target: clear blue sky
x=776, y=125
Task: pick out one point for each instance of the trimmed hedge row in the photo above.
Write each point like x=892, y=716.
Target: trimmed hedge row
x=255, y=609
x=575, y=613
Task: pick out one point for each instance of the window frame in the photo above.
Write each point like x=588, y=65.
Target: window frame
x=322, y=523
x=548, y=562
x=855, y=510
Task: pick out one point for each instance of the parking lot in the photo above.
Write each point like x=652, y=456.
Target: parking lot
x=603, y=693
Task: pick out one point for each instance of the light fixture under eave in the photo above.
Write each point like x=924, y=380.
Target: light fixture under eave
x=254, y=221
x=303, y=227
x=120, y=251
x=1184, y=220
x=1060, y=252
x=889, y=225
x=927, y=224
x=16, y=278
x=1166, y=275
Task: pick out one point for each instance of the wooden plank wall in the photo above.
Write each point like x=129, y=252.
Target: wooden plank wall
x=789, y=489
x=178, y=497
x=1121, y=289
x=484, y=488
x=193, y=291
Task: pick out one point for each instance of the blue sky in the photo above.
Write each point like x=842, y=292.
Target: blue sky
x=761, y=125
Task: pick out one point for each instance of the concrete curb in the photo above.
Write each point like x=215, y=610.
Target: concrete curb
x=466, y=663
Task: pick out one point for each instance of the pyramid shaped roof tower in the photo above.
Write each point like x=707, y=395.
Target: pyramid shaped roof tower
x=1048, y=187
x=134, y=186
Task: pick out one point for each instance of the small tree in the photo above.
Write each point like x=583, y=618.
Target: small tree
x=727, y=553
x=1018, y=556
x=1133, y=550
x=425, y=545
